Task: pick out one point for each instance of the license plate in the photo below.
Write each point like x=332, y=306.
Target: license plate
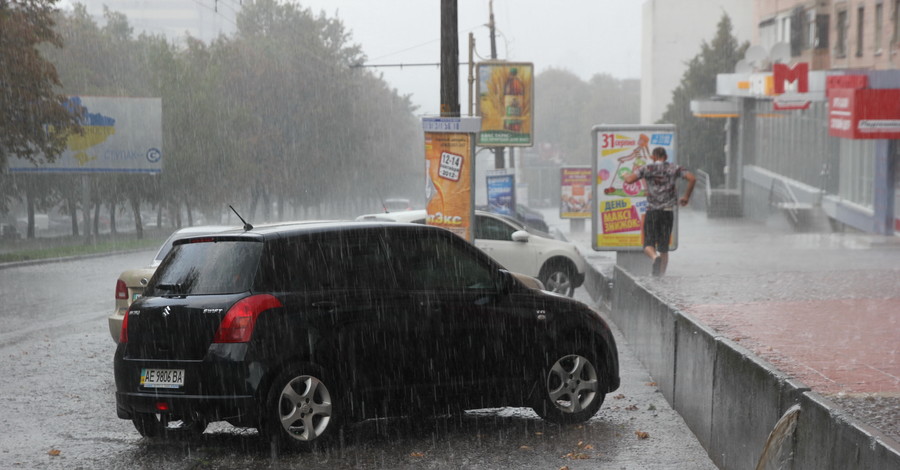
x=162, y=378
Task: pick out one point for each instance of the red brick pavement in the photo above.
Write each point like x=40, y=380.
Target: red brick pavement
x=833, y=346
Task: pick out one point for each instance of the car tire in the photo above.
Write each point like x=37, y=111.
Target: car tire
x=159, y=425
x=302, y=411
x=571, y=388
x=558, y=277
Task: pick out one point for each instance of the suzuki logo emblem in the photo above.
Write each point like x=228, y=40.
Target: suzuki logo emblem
x=167, y=311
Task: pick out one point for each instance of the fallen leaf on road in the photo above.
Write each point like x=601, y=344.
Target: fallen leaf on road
x=576, y=456
x=631, y=407
x=619, y=396
x=651, y=384
x=417, y=454
x=642, y=434
x=524, y=448
x=54, y=452
x=651, y=408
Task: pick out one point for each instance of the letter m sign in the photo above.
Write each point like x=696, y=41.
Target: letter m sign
x=798, y=73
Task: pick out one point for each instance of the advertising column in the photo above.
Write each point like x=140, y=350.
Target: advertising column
x=577, y=192
x=450, y=173
x=619, y=207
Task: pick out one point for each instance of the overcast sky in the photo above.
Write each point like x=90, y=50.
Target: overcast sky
x=586, y=37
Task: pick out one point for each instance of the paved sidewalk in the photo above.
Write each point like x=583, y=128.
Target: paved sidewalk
x=823, y=308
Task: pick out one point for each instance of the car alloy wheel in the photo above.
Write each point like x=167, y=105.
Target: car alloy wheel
x=571, y=390
x=558, y=278
x=302, y=411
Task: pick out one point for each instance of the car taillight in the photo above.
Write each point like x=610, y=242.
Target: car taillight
x=238, y=324
x=121, y=290
x=123, y=334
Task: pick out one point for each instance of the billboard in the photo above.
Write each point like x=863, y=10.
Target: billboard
x=505, y=104
x=864, y=113
x=121, y=135
x=501, y=192
x=619, y=208
x=577, y=192
x=450, y=173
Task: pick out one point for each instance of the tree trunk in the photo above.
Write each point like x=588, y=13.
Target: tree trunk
x=112, y=219
x=138, y=224
x=73, y=213
x=96, y=218
x=30, y=203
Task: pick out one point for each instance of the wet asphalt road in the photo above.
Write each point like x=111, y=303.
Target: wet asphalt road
x=57, y=397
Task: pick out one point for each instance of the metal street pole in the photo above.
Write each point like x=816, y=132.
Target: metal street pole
x=449, y=59
x=499, y=157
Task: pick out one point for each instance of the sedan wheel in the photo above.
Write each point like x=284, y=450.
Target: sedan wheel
x=302, y=412
x=570, y=390
x=558, y=278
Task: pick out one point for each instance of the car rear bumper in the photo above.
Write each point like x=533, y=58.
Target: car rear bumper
x=115, y=325
x=214, y=408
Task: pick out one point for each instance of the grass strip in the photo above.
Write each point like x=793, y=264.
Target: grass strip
x=75, y=247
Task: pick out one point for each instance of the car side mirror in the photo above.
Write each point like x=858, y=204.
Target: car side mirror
x=520, y=236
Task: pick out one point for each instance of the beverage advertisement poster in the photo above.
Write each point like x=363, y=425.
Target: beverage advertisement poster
x=620, y=207
x=505, y=103
x=501, y=192
x=448, y=184
x=577, y=192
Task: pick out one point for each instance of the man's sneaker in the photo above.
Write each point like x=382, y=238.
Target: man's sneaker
x=656, y=265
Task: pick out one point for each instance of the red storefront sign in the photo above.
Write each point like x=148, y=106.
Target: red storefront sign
x=855, y=112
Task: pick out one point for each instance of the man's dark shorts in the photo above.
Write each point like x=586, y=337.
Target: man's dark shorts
x=658, y=229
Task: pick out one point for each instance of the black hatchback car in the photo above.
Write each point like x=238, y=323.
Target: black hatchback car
x=297, y=329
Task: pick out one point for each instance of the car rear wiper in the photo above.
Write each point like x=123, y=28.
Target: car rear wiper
x=175, y=287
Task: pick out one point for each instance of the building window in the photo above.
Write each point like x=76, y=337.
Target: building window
x=879, y=27
x=823, y=23
x=896, y=38
x=840, y=48
x=859, y=31
x=857, y=163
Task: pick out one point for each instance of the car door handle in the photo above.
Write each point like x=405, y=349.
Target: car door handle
x=430, y=306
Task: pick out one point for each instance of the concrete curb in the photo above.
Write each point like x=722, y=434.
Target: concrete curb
x=32, y=262
x=730, y=398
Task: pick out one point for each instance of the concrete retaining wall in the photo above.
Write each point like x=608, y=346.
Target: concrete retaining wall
x=731, y=399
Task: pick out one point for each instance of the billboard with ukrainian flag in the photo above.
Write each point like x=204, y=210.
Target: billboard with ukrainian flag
x=619, y=207
x=121, y=135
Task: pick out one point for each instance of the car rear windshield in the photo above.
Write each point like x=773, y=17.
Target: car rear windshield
x=208, y=267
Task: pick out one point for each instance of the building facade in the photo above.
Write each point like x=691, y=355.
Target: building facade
x=817, y=102
x=667, y=44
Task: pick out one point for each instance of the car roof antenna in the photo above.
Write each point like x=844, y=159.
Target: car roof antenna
x=247, y=227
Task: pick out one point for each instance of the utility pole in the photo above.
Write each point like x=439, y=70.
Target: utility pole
x=449, y=59
x=499, y=156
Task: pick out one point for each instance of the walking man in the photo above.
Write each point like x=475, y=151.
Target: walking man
x=661, y=177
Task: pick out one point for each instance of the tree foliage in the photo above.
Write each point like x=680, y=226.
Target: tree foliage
x=34, y=119
x=701, y=141
x=567, y=108
x=272, y=117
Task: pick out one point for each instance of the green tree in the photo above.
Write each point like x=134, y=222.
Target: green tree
x=701, y=142
x=34, y=118
x=567, y=108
